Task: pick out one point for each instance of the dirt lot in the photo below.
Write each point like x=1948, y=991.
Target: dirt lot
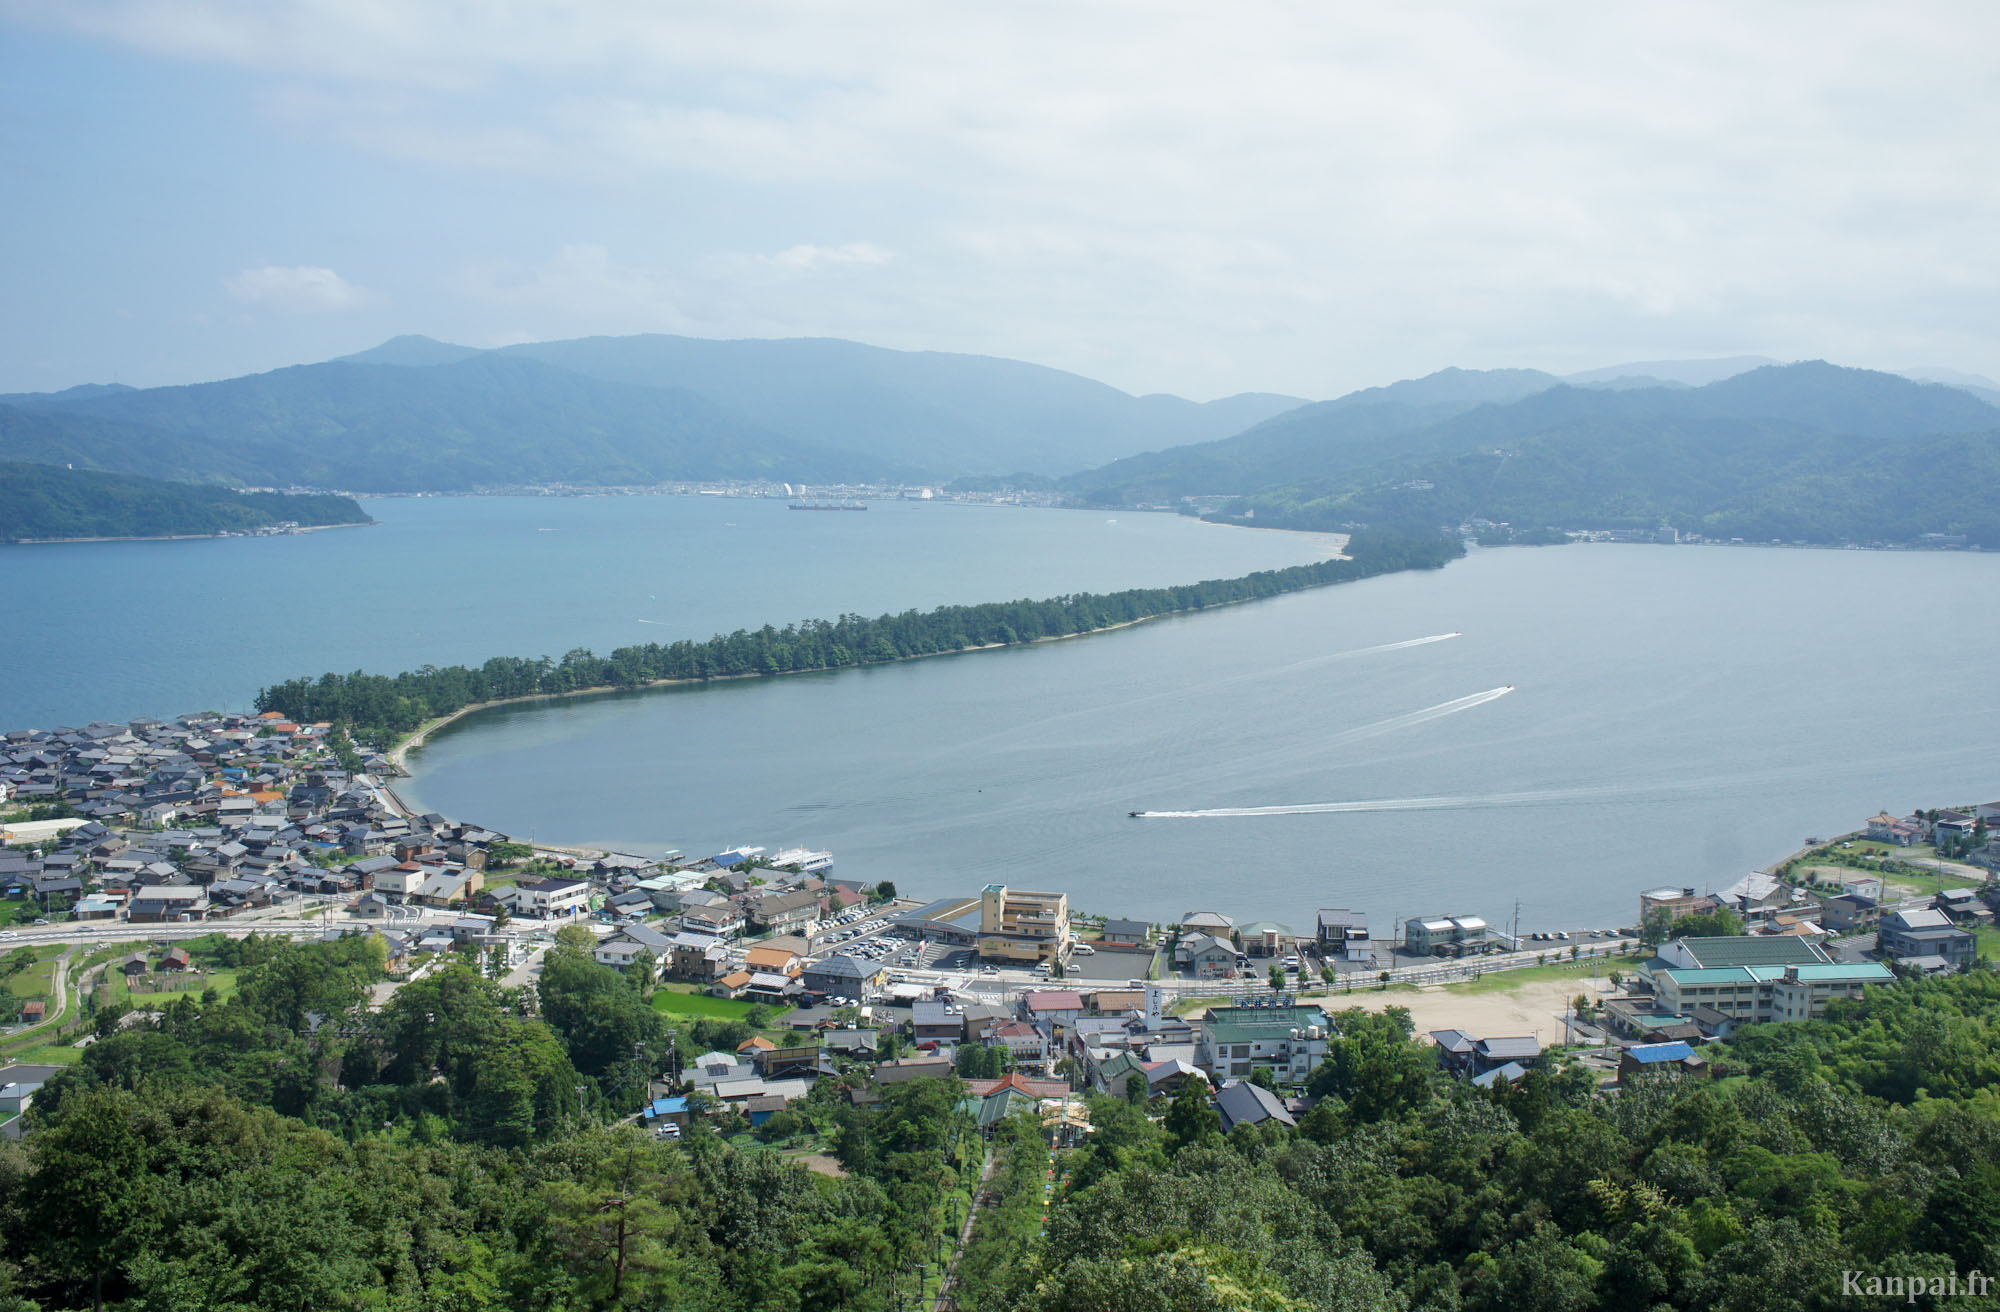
x=1534, y=1008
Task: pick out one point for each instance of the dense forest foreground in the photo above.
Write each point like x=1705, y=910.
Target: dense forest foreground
x=285, y=1148
x=389, y=705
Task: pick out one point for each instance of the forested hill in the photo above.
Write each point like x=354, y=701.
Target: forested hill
x=390, y=705
x=482, y=422
x=419, y=415
x=1810, y=452
x=466, y=1145
x=44, y=501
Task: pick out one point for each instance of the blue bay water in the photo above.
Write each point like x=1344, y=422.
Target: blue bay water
x=1679, y=716
x=115, y=630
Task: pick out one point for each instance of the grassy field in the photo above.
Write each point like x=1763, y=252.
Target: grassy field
x=117, y=989
x=37, y=980
x=701, y=1005
x=1931, y=884
x=1987, y=941
x=1505, y=981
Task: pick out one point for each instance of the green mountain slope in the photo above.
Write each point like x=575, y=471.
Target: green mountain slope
x=43, y=501
x=1360, y=428
x=1808, y=452
x=482, y=422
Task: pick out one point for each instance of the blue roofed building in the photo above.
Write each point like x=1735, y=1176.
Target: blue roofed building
x=1650, y=1058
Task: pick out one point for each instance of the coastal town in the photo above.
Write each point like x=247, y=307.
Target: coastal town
x=125, y=842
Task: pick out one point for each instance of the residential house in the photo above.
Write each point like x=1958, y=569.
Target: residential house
x=1117, y=1002
x=1127, y=933
x=1028, y=1045
x=620, y=953
x=1243, y=1103
x=844, y=977
x=1846, y=913
x=550, y=899
x=912, y=1068
x=1652, y=1058
x=1953, y=827
x=1206, y=956
x=718, y=918
x=449, y=888
x=1443, y=935
x=698, y=957
x=1052, y=1006
x=166, y=903
x=1343, y=935
x=1903, y=832
x=1465, y=1054
x=781, y=913
x=1756, y=894
x=1676, y=902
x=937, y=1022
x=1925, y=932
x=1265, y=938
x=774, y=959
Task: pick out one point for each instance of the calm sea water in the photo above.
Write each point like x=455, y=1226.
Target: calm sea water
x=1679, y=715
x=115, y=630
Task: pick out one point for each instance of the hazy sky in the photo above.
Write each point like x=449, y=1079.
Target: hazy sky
x=1199, y=198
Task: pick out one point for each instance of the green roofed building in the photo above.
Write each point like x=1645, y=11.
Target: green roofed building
x=1288, y=1040
x=1742, y=950
x=1764, y=993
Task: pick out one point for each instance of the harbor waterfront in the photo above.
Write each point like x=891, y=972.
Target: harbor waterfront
x=1679, y=715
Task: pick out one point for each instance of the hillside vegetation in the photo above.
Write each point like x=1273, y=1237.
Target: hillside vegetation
x=480, y=422
x=1807, y=452
x=419, y=415
x=287, y=1148
x=43, y=501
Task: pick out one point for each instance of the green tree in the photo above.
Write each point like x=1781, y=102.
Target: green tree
x=1719, y=923
x=1191, y=1117
x=1374, y=1066
x=89, y=1198
x=507, y=853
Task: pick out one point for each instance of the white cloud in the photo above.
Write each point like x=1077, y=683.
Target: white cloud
x=808, y=258
x=298, y=289
x=1176, y=194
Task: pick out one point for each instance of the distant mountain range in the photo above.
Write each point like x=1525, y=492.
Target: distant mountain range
x=1806, y=452
x=420, y=415
x=1615, y=446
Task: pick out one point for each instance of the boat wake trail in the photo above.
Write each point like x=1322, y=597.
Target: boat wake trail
x=1405, y=644
x=1545, y=795
x=1394, y=723
x=1311, y=661
x=1412, y=719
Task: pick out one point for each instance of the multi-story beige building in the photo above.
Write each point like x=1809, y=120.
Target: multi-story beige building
x=1017, y=925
